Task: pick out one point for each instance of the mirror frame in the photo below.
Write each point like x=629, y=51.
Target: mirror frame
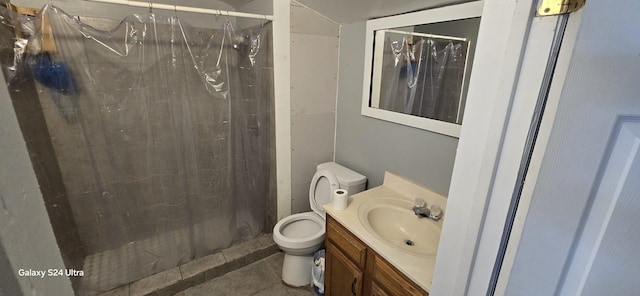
x=436, y=15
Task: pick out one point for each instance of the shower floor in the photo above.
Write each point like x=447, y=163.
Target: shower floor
x=108, y=271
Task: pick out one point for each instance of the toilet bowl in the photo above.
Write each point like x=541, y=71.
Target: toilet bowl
x=301, y=235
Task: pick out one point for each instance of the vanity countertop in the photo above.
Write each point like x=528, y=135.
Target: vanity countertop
x=417, y=267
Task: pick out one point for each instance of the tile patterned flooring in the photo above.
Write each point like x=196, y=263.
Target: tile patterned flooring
x=261, y=278
x=137, y=260
x=199, y=271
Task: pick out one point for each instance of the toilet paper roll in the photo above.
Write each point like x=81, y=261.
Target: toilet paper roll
x=340, y=199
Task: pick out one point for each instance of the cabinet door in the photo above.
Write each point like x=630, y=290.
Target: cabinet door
x=391, y=280
x=349, y=245
x=342, y=277
x=377, y=291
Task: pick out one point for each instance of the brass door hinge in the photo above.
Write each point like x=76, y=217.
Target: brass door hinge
x=556, y=7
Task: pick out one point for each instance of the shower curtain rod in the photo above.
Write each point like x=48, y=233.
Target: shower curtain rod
x=426, y=35
x=152, y=5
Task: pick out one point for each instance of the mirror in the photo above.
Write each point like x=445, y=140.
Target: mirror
x=417, y=67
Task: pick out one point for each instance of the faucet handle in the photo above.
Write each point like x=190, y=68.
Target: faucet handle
x=436, y=212
x=419, y=203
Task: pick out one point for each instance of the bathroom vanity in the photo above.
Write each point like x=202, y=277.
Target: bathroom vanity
x=378, y=246
x=353, y=268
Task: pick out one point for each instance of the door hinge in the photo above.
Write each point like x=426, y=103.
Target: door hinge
x=556, y=7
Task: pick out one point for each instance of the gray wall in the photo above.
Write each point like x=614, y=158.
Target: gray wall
x=8, y=281
x=371, y=146
x=25, y=231
x=24, y=97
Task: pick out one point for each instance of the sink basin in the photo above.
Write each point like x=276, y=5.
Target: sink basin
x=392, y=221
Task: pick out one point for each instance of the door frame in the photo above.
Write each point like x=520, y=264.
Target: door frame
x=537, y=157
x=501, y=102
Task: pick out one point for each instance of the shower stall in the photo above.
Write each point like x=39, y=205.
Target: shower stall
x=152, y=140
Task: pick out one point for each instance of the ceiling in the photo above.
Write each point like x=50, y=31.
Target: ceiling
x=340, y=11
x=353, y=11
x=236, y=3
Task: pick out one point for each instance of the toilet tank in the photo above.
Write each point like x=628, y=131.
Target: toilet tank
x=349, y=180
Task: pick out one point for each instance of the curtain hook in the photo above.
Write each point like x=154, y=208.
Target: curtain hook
x=218, y=15
x=150, y=7
x=175, y=10
x=228, y=15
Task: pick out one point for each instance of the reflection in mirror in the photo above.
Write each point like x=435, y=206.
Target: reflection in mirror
x=421, y=70
x=417, y=67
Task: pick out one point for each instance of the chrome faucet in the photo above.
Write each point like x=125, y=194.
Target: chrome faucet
x=421, y=210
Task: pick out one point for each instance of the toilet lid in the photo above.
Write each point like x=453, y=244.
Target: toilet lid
x=323, y=184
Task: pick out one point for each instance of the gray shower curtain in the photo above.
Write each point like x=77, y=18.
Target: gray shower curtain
x=161, y=132
x=423, y=77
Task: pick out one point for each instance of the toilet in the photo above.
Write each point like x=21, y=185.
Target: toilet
x=301, y=235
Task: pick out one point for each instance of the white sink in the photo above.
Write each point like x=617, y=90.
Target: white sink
x=393, y=222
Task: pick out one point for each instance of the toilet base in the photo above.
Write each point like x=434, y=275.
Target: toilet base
x=296, y=270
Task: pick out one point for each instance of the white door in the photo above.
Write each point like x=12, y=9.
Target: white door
x=576, y=230
x=565, y=208
x=515, y=54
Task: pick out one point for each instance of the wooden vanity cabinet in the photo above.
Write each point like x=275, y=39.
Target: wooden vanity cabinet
x=346, y=277
x=352, y=268
x=377, y=291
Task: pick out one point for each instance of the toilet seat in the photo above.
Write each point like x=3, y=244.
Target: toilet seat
x=299, y=239
x=302, y=233
x=323, y=184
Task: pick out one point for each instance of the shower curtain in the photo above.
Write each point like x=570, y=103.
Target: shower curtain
x=161, y=132
x=423, y=77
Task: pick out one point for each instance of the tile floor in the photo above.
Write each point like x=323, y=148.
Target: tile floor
x=262, y=278
x=117, y=267
x=199, y=271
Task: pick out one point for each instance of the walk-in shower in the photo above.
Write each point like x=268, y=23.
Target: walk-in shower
x=152, y=140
